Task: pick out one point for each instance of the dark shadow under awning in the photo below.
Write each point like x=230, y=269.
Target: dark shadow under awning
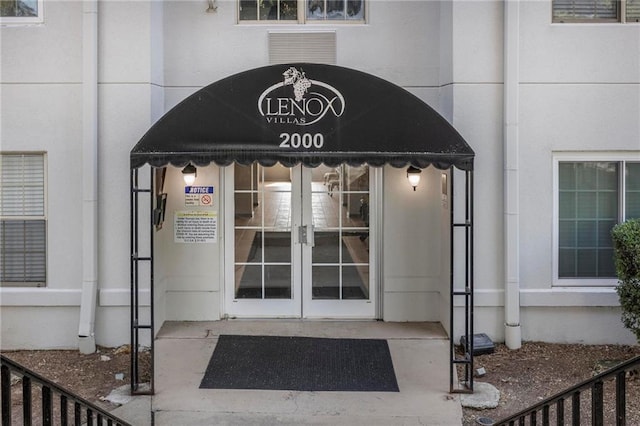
x=303, y=113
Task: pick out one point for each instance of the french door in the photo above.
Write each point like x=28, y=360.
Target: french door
x=301, y=243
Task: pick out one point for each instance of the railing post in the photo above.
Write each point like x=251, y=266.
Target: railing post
x=64, y=411
x=26, y=400
x=575, y=409
x=5, y=388
x=560, y=412
x=77, y=414
x=621, y=398
x=597, y=404
x=47, y=406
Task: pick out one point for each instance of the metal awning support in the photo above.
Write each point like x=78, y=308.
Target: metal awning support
x=462, y=265
x=141, y=269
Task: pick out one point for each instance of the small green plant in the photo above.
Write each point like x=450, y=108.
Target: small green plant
x=626, y=244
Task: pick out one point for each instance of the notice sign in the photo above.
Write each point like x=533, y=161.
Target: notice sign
x=198, y=196
x=195, y=227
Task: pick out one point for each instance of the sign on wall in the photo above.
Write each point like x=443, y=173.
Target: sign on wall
x=198, y=196
x=195, y=227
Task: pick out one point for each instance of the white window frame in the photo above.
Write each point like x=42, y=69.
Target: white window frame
x=620, y=18
x=302, y=17
x=621, y=157
x=44, y=217
x=25, y=20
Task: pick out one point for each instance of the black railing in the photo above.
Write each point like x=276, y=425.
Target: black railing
x=607, y=389
x=83, y=412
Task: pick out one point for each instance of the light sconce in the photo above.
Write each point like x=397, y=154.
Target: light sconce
x=413, y=175
x=213, y=7
x=189, y=174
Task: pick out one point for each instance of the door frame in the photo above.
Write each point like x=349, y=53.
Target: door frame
x=302, y=305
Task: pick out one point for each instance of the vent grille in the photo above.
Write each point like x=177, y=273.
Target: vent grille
x=315, y=47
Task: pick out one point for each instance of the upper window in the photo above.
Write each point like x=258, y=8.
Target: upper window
x=593, y=196
x=23, y=240
x=596, y=10
x=301, y=11
x=21, y=11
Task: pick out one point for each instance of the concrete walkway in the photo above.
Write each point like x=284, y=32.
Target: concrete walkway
x=419, y=351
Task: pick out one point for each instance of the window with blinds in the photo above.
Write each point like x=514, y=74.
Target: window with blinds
x=596, y=10
x=23, y=241
x=593, y=196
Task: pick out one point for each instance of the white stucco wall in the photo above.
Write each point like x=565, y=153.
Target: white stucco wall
x=41, y=101
x=413, y=253
x=189, y=274
x=578, y=92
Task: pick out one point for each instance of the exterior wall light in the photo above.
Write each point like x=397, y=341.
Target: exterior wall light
x=189, y=174
x=413, y=175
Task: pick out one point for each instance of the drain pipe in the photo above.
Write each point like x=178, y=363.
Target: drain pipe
x=86, y=328
x=513, y=336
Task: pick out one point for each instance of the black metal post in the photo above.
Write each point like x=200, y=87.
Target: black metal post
x=77, y=414
x=451, y=282
x=621, y=398
x=560, y=412
x=597, y=404
x=152, y=192
x=5, y=386
x=469, y=262
x=133, y=264
x=575, y=409
x=26, y=401
x=47, y=406
x=64, y=410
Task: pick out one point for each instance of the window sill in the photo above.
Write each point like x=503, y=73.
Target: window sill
x=39, y=296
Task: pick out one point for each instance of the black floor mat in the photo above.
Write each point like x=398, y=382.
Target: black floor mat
x=300, y=364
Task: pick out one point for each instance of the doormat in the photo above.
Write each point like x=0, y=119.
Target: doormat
x=300, y=364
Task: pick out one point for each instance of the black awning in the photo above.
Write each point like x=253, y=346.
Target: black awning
x=303, y=113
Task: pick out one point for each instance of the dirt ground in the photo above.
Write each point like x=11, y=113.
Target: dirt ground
x=539, y=370
x=524, y=376
x=91, y=376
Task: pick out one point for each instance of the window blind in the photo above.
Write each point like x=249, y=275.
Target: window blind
x=632, y=11
x=22, y=183
x=22, y=220
x=632, y=191
x=575, y=10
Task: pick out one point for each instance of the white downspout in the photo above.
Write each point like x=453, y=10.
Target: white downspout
x=513, y=336
x=86, y=328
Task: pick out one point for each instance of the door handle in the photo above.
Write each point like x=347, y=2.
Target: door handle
x=302, y=234
x=312, y=236
x=306, y=237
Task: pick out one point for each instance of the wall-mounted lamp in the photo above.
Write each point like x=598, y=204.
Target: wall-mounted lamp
x=213, y=7
x=189, y=174
x=413, y=175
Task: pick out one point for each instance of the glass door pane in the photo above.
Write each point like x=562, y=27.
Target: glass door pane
x=262, y=198
x=340, y=215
